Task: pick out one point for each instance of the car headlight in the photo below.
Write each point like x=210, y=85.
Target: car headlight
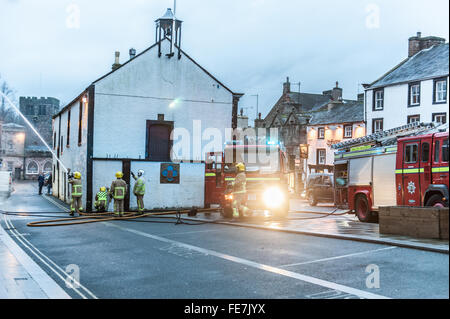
x=274, y=197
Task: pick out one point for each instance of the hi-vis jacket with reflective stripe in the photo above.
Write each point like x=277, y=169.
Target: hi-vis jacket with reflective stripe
x=240, y=182
x=77, y=188
x=139, y=187
x=118, y=189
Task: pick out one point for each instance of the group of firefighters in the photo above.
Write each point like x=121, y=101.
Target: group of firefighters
x=119, y=189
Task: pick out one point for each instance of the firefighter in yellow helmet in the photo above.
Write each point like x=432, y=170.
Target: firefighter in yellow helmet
x=118, y=191
x=139, y=190
x=239, y=191
x=101, y=200
x=76, y=204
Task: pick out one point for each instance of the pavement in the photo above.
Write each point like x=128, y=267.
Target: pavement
x=155, y=258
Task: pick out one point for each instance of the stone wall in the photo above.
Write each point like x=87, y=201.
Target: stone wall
x=418, y=222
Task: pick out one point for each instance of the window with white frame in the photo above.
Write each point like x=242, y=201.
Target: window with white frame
x=321, y=134
x=378, y=101
x=348, y=131
x=414, y=94
x=321, y=156
x=440, y=87
x=48, y=167
x=377, y=125
x=413, y=119
x=440, y=118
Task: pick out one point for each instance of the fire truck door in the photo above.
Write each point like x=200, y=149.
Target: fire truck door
x=425, y=167
x=410, y=175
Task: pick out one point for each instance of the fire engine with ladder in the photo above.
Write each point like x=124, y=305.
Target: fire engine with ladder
x=405, y=166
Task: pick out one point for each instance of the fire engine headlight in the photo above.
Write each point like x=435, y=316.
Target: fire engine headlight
x=229, y=197
x=274, y=197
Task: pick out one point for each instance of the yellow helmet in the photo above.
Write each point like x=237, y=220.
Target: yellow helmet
x=103, y=189
x=240, y=167
x=77, y=175
x=119, y=174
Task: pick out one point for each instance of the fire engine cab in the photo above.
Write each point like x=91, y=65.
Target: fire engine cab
x=405, y=166
x=267, y=178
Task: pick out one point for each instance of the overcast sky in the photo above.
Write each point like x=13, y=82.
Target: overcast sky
x=249, y=45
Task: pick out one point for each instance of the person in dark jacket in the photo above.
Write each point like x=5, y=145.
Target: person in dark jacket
x=41, y=182
x=49, y=183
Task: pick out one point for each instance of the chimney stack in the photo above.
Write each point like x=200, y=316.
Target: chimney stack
x=116, y=64
x=417, y=43
x=132, y=53
x=287, y=86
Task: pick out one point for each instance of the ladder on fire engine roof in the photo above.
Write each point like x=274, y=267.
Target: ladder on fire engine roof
x=388, y=137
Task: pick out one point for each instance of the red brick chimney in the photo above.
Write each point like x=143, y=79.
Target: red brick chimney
x=417, y=43
x=287, y=86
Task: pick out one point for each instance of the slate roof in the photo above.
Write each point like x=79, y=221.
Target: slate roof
x=347, y=112
x=308, y=103
x=426, y=64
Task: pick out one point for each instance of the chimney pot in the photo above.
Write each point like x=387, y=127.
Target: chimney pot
x=132, y=53
x=116, y=64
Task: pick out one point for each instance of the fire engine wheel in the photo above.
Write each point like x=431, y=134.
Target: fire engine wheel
x=281, y=212
x=312, y=200
x=363, y=211
x=436, y=201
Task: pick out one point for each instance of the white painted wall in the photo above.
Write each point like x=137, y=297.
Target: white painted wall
x=146, y=87
x=396, y=110
x=334, y=132
x=74, y=156
x=189, y=193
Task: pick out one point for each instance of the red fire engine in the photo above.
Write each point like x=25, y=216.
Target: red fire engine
x=267, y=178
x=406, y=166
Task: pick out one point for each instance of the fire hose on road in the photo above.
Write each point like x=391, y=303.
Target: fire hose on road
x=104, y=217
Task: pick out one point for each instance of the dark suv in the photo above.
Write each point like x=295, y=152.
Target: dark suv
x=320, y=188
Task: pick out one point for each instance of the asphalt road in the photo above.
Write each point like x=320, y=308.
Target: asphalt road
x=162, y=260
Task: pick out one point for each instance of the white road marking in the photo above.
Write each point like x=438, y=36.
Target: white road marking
x=275, y=270
x=41, y=255
x=337, y=257
x=44, y=281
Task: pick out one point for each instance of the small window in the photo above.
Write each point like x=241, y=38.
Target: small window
x=411, y=152
x=42, y=110
x=321, y=135
x=30, y=110
x=348, y=131
x=440, y=118
x=378, y=100
x=440, y=91
x=445, y=151
x=437, y=149
x=413, y=119
x=47, y=167
x=321, y=157
x=377, y=125
x=414, y=94
x=68, y=128
x=425, y=152
x=32, y=168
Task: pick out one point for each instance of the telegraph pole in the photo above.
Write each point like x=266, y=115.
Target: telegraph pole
x=257, y=105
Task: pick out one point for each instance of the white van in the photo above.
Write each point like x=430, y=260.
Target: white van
x=5, y=184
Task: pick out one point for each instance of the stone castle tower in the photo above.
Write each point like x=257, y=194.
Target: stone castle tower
x=39, y=112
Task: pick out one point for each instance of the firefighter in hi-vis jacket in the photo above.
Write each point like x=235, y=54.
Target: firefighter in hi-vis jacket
x=101, y=200
x=118, y=191
x=239, y=192
x=139, y=190
x=76, y=204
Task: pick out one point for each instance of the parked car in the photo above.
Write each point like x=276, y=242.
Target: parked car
x=5, y=184
x=319, y=188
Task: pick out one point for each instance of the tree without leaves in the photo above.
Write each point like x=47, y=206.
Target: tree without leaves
x=7, y=114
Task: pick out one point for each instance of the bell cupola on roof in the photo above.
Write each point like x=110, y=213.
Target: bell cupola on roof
x=164, y=30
